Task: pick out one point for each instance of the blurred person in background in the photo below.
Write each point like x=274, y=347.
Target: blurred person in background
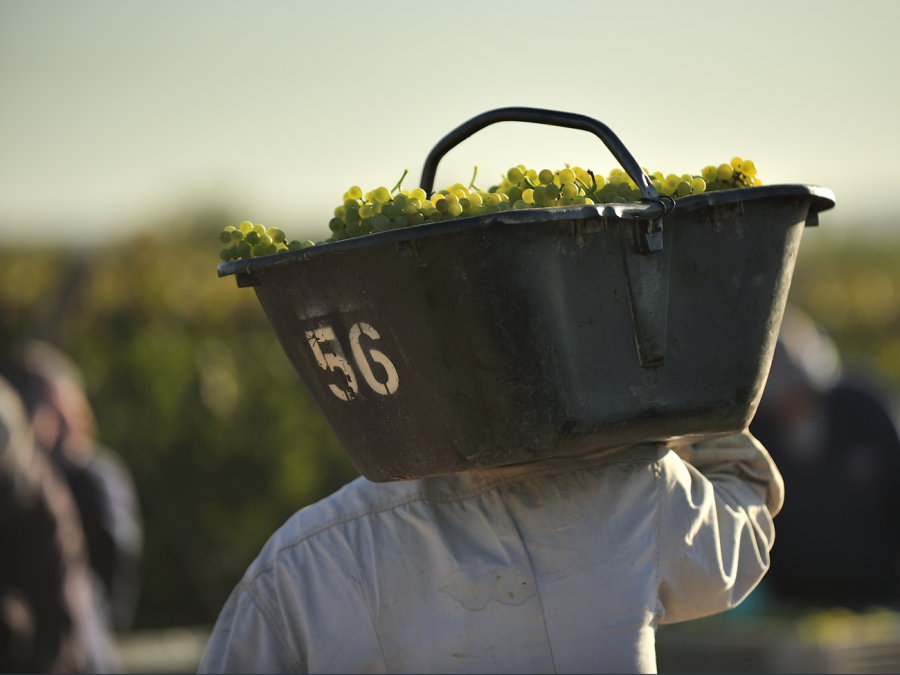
x=48, y=619
x=839, y=452
x=52, y=388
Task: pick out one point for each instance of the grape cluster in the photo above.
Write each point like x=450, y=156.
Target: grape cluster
x=521, y=188
x=251, y=241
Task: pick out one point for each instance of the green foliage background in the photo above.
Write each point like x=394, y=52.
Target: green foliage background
x=191, y=388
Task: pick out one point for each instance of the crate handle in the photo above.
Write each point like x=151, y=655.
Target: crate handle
x=554, y=118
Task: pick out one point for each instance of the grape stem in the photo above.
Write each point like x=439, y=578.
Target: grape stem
x=472, y=182
x=399, y=182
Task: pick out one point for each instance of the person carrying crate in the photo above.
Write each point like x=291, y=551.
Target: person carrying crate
x=563, y=564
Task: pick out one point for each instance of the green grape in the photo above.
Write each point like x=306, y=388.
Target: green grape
x=736, y=163
x=224, y=236
x=259, y=229
x=748, y=168
x=410, y=209
x=617, y=200
x=265, y=240
x=351, y=204
x=271, y=248
x=401, y=221
x=726, y=171
x=578, y=199
x=294, y=245
x=382, y=195
x=460, y=193
x=521, y=204
x=257, y=251
x=546, y=176
x=366, y=211
x=353, y=230
x=492, y=208
x=352, y=216
x=246, y=226
x=550, y=201
x=476, y=199
x=569, y=190
x=442, y=205
x=229, y=228
x=504, y=206
x=684, y=188
x=335, y=224
x=493, y=199
x=393, y=211
x=477, y=210
x=416, y=219
x=514, y=195
x=671, y=182
x=308, y=243
x=452, y=198
x=339, y=212
x=243, y=249
x=401, y=200
x=465, y=204
x=419, y=194
x=710, y=173
x=380, y=222
x=588, y=200
x=252, y=238
x=528, y=196
x=236, y=235
x=455, y=209
x=531, y=175
x=698, y=185
x=600, y=181
x=225, y=254
x=276, y=234
x=355, y=192
x=564, y=202
x=366, y=225
x=712, y=186
x=566, y=176
x=686, y=177
x=515, y=174
x=658, y=175
x=624, y=190
x=657, y=185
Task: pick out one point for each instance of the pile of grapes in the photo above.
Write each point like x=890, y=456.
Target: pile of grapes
x=521, y=188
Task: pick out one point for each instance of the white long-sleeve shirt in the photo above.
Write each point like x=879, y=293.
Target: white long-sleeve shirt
x=565, y=564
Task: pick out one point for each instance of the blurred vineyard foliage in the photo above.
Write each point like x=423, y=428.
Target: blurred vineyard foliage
x=191, y=388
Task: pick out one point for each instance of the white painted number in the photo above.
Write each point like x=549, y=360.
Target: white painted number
x=335, y=360
x=362, y=363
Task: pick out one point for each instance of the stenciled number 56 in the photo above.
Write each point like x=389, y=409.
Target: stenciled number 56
x=333, y=359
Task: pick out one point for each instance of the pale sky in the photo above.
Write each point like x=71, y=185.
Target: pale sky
x=113, y=115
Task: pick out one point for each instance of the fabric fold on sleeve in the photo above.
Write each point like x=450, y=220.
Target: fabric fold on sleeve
x=716, y=528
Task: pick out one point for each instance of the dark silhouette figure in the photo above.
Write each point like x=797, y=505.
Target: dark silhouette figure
x=838, y=449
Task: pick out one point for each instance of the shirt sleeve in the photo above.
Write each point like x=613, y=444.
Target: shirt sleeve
x=715, y=525
x=243, y=641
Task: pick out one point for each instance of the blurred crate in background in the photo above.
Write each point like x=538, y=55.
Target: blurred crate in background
x=833, y=641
